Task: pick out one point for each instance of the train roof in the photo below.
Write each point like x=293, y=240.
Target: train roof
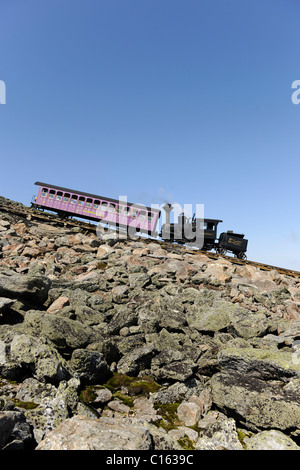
x=212, y=220
x=93, y=196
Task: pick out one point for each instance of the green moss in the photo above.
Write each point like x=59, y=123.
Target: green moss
x=123, y=387
x=26, y=405
x=196, y=428
x=135, y=386
x=118, y=381
x=168, y=413
x=167, y=409
x=124, y=398
x=162, y=423
x=143, y=386
x=87, y=395
x=4, y=382
x=101, y=265
x=241, y=436
x=186, y=443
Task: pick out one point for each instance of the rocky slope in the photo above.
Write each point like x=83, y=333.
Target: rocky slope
x=119, y=344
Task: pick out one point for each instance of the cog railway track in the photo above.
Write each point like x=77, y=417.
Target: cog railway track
x=29, y=213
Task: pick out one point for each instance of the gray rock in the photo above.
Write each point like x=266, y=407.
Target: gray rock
x=170, y=364
x=80, y=433
x=89, y=366
x=248, y=325
x=139, y=280
x=15, y=432
x=176, y=371
x=121, y=316
x=76, y=295
x=32, y=390
x=55, y=405
x=9, y=369
x=211, y=319
x=177, y=392
x=265, y=363
x=89, y=316
x=27, y=286
x=41, y=358
x=270, y=440
x=188, y=413
x=5, y=304
x=135, y=361
x=148, y=320
x=259, y=404
x=221, y=435
x=103, y=396
x=65, y=333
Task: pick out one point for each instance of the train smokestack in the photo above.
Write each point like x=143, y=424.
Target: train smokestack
x=168, y=208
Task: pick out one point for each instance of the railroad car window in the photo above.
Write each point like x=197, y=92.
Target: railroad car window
x=44, y=192
x=59, y=196
x=51, y=194
x=81, y=201
x=96, y=204
x=134, y=213
x=104, y=206
x=127, y=211
x=111, y=208
x=73, y=199
x=119, y=209
x=88, y=202
x=66, y=197
x=150, y=216
x=142, y=215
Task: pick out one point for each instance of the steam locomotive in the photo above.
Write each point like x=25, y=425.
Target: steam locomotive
x=196, y=232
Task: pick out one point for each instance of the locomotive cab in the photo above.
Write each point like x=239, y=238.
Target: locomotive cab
x=210, y=233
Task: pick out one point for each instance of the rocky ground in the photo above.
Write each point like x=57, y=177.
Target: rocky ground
x=118, y=344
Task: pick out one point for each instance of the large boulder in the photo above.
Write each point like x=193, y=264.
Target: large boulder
x=266, y=363
x=15, y=432
x=65, y=333
x=170, y=364
x=136, y=360
x=270, y=440
x=89, y=366
x=39, y=357
x=213, y=318
x=31, y=287
x=220, y=435
x=81, y=433
x=257, y=404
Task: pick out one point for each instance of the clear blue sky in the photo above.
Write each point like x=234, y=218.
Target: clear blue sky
x=186, y=100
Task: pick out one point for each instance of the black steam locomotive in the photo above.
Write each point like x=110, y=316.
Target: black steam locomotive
x=185, y=232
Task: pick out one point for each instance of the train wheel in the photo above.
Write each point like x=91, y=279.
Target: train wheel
x=221, y=250
x=241, y=255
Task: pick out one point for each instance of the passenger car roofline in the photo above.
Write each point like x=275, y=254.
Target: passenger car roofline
x=94, y=196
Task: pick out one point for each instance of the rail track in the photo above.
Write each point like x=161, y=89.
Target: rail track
x=30, y=213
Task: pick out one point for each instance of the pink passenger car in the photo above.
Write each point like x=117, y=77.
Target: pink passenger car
x=69, y=202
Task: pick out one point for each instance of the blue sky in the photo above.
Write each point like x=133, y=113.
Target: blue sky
x=185, y=100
